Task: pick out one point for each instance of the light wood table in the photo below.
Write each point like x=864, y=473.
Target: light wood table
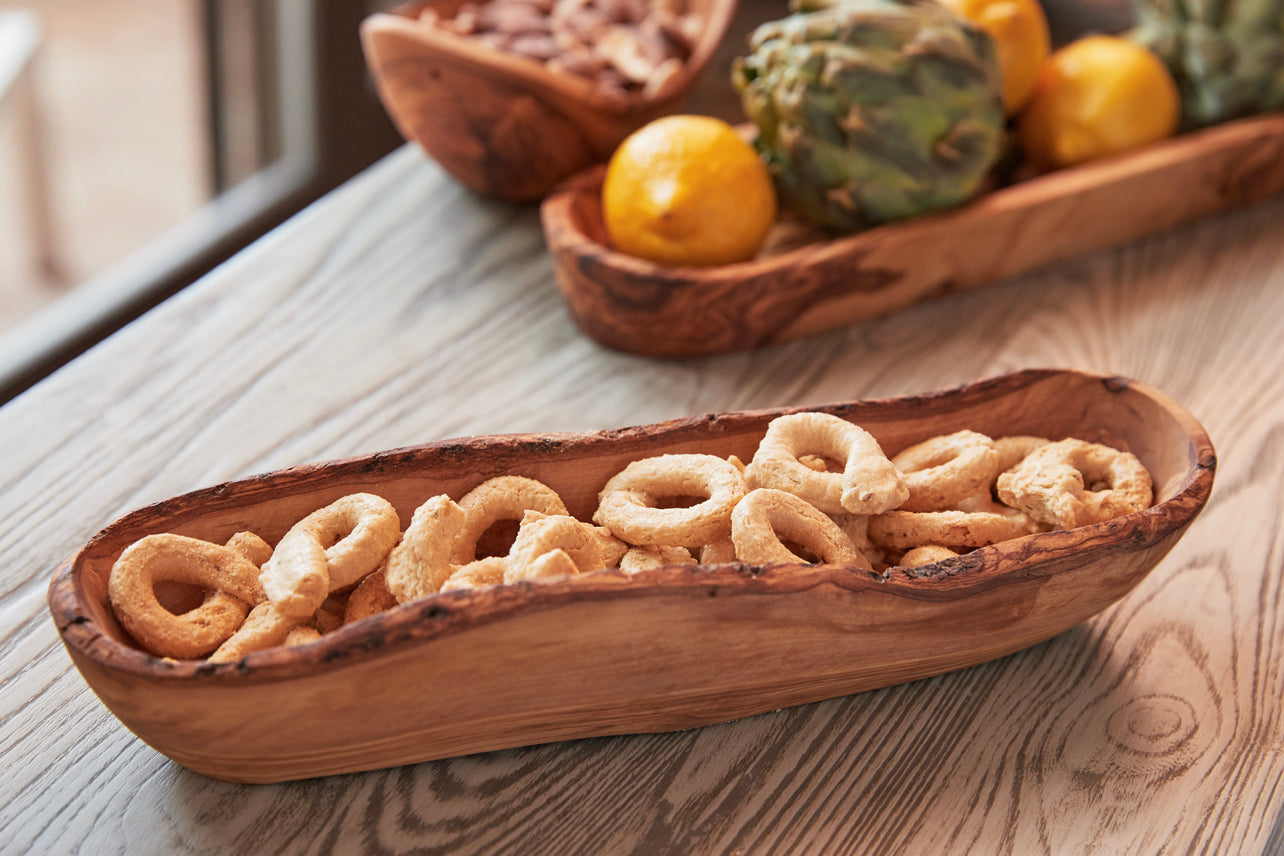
x=401, y=309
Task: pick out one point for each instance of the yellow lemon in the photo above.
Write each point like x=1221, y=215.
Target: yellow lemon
x=688, y=190
x=1098, y=96
x=1019, y=29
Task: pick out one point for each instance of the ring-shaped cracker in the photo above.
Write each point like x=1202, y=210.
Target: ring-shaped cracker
x=553, y=563
x=301, y=635
x=856, y=527
x=330, y=549
x=643, y=558
x=928, y=554
x=481, y=573
x=943, y=470
x=627, y=505
x=905, y=530
x=589, y=547
x=131, y=588
x=1013, y=449
x=868, y=484
x=716, y=553
x=496, y=499
x=265, y=627
x=251, y=546
x=370, y=597
x=1058, y=484
x=766, y=517
x=421, y=562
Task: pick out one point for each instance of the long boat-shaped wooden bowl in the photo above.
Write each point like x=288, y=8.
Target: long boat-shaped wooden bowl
x=796, y=288
x=603, y=653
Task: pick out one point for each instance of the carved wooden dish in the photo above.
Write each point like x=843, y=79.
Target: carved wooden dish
x=603, y=653
x=805, y=283
x=504, y=125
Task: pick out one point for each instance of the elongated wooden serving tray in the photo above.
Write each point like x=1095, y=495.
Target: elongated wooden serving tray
x=603, y=653
x=796, y=289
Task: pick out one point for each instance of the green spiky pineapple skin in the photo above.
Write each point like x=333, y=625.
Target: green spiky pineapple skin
x=1227, y=56
x=872, y=111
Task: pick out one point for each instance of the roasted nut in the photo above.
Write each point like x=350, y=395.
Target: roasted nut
x=624, y=46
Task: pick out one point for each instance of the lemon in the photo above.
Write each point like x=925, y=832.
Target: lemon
x=1098, y=96
x=688, y=190
x=1019, y=29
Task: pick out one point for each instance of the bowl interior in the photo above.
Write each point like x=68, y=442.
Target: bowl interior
x=715, y=17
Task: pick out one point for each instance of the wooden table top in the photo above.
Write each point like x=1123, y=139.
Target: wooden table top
x=402, y=309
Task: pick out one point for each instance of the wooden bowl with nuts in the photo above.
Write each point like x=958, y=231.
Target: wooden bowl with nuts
x=513, y=96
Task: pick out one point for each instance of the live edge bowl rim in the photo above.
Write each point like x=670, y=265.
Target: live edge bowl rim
x=418, y=623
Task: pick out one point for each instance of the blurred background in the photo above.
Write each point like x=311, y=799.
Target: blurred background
x=144, y=141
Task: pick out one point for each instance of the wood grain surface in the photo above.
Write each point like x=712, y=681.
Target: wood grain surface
x=403, y=309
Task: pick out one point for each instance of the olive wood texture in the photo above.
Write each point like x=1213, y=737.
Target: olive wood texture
x=607, y=653
x=801, y=284
x=504, y=125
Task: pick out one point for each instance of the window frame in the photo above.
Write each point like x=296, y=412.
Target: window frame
x=316, y=123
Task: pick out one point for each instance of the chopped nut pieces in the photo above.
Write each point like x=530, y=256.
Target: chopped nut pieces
x=625, y=46
x=819, y=488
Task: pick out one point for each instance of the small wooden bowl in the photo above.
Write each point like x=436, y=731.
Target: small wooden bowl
x=604, y=653
x=504, y=125
x=805, y=283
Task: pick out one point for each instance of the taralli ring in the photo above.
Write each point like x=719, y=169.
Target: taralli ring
x=500, y=498
x=251, y=546
x=943, y=470
x=264, y=627
x=1014, y=448
x=331, y=548
x=482, y=573
x=369, y=598
x=868, y=484
x=856, y=527
x=717, y=553
x=904, y=530
x=766, y=518
x=642, y=558
x=928, y=554
x=627, y=505
x=1073, y=483
x=554, y=563
x=588, y=547
x=232, y=578
x=419, y=565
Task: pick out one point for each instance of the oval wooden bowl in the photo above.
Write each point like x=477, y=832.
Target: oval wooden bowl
x=506, y=126
x=804, y=283
x=672, y=648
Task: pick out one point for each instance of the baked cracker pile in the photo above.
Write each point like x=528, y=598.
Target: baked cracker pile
x=819, y=489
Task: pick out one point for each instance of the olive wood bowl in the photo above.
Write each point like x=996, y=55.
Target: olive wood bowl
x=805, y=282
x=504, y=125
x=604, y=653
